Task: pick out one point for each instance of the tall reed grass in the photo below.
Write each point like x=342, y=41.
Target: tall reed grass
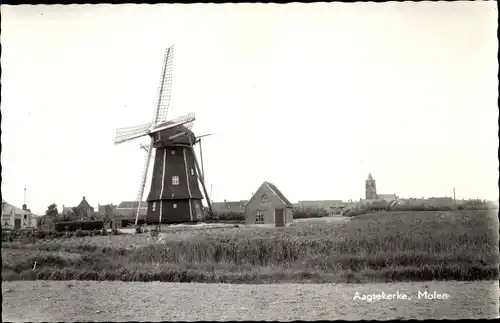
x=383, y=246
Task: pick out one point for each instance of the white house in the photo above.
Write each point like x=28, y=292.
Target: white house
x=14, y=217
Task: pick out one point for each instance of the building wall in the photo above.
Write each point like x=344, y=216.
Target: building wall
x=174, y=211
x=26, y=220
x=288, y=215
x=370, y=189
x=126, y=213
x=257, y=204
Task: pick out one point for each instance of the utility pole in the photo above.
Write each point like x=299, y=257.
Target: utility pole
x=454, y=197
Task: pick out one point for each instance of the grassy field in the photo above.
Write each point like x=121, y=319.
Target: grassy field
x=386, y=246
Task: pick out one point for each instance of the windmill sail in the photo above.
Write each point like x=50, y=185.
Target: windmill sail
x=165, y=87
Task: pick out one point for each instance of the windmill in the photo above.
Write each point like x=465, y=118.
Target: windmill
x=175, y=195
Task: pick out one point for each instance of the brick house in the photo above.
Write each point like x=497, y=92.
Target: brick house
x=229, y=207
x=81, y=212
x=267, y=206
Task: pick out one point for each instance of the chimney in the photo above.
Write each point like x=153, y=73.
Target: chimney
x=224, y=201
x=25, y=207
x=84, y=198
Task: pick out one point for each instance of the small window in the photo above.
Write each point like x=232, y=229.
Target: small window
x=25, y=216
x=154, y=206
x=172, y=152
x=192, y=171
x=229, y=206
x=175, y=180
x=259, y=217
x=264, y=199
x=175, y=206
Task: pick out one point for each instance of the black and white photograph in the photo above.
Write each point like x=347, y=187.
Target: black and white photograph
x=257, y=161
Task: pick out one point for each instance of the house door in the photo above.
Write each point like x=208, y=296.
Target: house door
x=279, y=217
x=17, y=223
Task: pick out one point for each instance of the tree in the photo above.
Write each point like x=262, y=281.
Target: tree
x=52, y=210
x=108, y=213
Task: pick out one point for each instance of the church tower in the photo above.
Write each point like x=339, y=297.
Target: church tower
x=370, y=188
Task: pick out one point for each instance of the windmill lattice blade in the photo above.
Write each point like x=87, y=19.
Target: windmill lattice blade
x=140, y=194
x=129, y=133
x=165, y=87
x=186, y=119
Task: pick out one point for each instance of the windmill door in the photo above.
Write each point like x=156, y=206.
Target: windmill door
x=279, y=217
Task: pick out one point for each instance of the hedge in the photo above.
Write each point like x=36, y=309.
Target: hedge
x=75, y=225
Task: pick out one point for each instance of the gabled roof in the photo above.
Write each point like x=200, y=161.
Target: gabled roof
x=84, y=203
x=386, y=195
x=229, y=204
x=131, y=205
x=9, y=208
x=276, y=191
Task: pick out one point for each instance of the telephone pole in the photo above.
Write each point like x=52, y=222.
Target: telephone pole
x=454, y=197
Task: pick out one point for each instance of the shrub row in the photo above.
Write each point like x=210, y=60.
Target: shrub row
x=365, y=209
x=309, y=213
x=226, y=217
x=234, y=217
x=47, y=234
x=78, y=225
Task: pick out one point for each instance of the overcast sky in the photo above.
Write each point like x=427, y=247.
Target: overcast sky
x=309, y=97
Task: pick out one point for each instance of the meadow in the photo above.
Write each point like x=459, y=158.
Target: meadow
x=378, y=247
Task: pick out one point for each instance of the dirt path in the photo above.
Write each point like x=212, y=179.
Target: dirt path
x=119, y=301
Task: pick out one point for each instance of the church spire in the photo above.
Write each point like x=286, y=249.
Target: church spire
x=370, y=177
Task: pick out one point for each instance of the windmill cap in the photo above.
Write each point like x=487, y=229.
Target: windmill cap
x=179, y=135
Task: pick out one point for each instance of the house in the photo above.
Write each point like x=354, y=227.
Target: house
x=229, y=207
x=330, y=206
x=268, y=205
x=82, y=212
x=440, y=201
x=106, y=209
x=128, y=210
x=387, y=197
x=16, y=218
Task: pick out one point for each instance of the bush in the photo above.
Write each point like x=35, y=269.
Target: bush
x=235, y=217
x=75, y=225
x=309, y=213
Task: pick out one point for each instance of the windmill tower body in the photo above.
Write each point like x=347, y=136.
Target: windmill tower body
x=175, y=195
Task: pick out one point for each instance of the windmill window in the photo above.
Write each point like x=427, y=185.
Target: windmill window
x=175, y=206
x=154, y=206
x=259, y=217
x=175, y=180
x=192, y=171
